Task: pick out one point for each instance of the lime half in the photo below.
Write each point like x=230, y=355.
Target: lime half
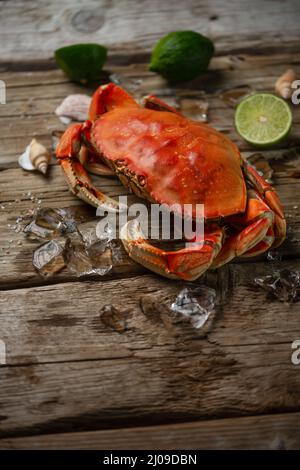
x=263, y=119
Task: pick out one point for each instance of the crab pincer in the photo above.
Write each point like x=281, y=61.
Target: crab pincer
x=69, y=153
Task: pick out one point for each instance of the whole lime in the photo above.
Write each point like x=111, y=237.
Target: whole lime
x=181, y=55
x=81, y=62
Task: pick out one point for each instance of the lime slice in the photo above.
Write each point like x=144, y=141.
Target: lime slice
x=181, y=55
x=81, y=62
x=263, y=119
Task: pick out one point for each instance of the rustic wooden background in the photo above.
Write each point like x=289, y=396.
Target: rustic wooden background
x=72, y=382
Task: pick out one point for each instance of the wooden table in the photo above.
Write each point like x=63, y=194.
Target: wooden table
x=72, y=382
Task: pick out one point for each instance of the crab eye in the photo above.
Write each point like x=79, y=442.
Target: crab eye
x=120, y=163
x=142, y=180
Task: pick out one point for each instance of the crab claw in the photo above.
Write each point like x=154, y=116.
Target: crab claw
x=188, y=263
x=107, y=97
x=67, y=153
x=269, y=195
x=152, y=102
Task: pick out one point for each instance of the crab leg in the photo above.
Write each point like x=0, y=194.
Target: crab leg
x=80, y=184
x=269, y=195
x=92, y=164
x=257, y=232
x=188, y=263
x=264, y=221
x=152, y=102
x=262, y=246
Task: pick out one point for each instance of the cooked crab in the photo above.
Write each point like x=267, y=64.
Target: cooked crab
x=162, y=156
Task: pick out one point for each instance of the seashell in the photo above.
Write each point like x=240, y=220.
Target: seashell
x=24, y=160
x=283, y=86
x=74, y=107
x=65, y=120
x=35, y=157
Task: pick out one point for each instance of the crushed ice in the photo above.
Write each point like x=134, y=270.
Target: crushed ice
x=79, y=248
x=196, y=304
x=49, y=257
x=86, y=254
x=282, y=284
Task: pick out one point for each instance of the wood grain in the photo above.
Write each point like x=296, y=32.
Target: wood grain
x=32, y=97
x=16, y=253
x=269, y=432
x=73, y=381
x=159, y=370
x=128, y=26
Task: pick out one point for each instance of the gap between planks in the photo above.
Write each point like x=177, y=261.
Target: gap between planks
x=273, y=432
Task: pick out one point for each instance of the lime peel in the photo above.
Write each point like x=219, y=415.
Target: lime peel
x=181, y=55
x=82, y=62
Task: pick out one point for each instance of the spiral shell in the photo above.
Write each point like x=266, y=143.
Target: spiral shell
x=283, y=86
x=74, y=107
x=35, y=157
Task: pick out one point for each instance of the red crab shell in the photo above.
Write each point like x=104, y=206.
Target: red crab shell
x=177, y=160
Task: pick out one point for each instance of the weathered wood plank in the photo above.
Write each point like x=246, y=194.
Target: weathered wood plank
x=157, y=371
x=16, y=250
x=269, y=432
x=31, y=31
x=32, y=97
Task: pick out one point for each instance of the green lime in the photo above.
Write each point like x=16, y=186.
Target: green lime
x=263, y=119
x=181, y=55
x=81, y=62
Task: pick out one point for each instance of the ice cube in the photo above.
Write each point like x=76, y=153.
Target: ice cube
x=48, y=259
x=196, y=304
x=118, y=252
x=282, y=284
x=85, y=256
x=50, y=223
x=233, y=96
x=132, y=85
x=195, y=109
x=274, y=256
